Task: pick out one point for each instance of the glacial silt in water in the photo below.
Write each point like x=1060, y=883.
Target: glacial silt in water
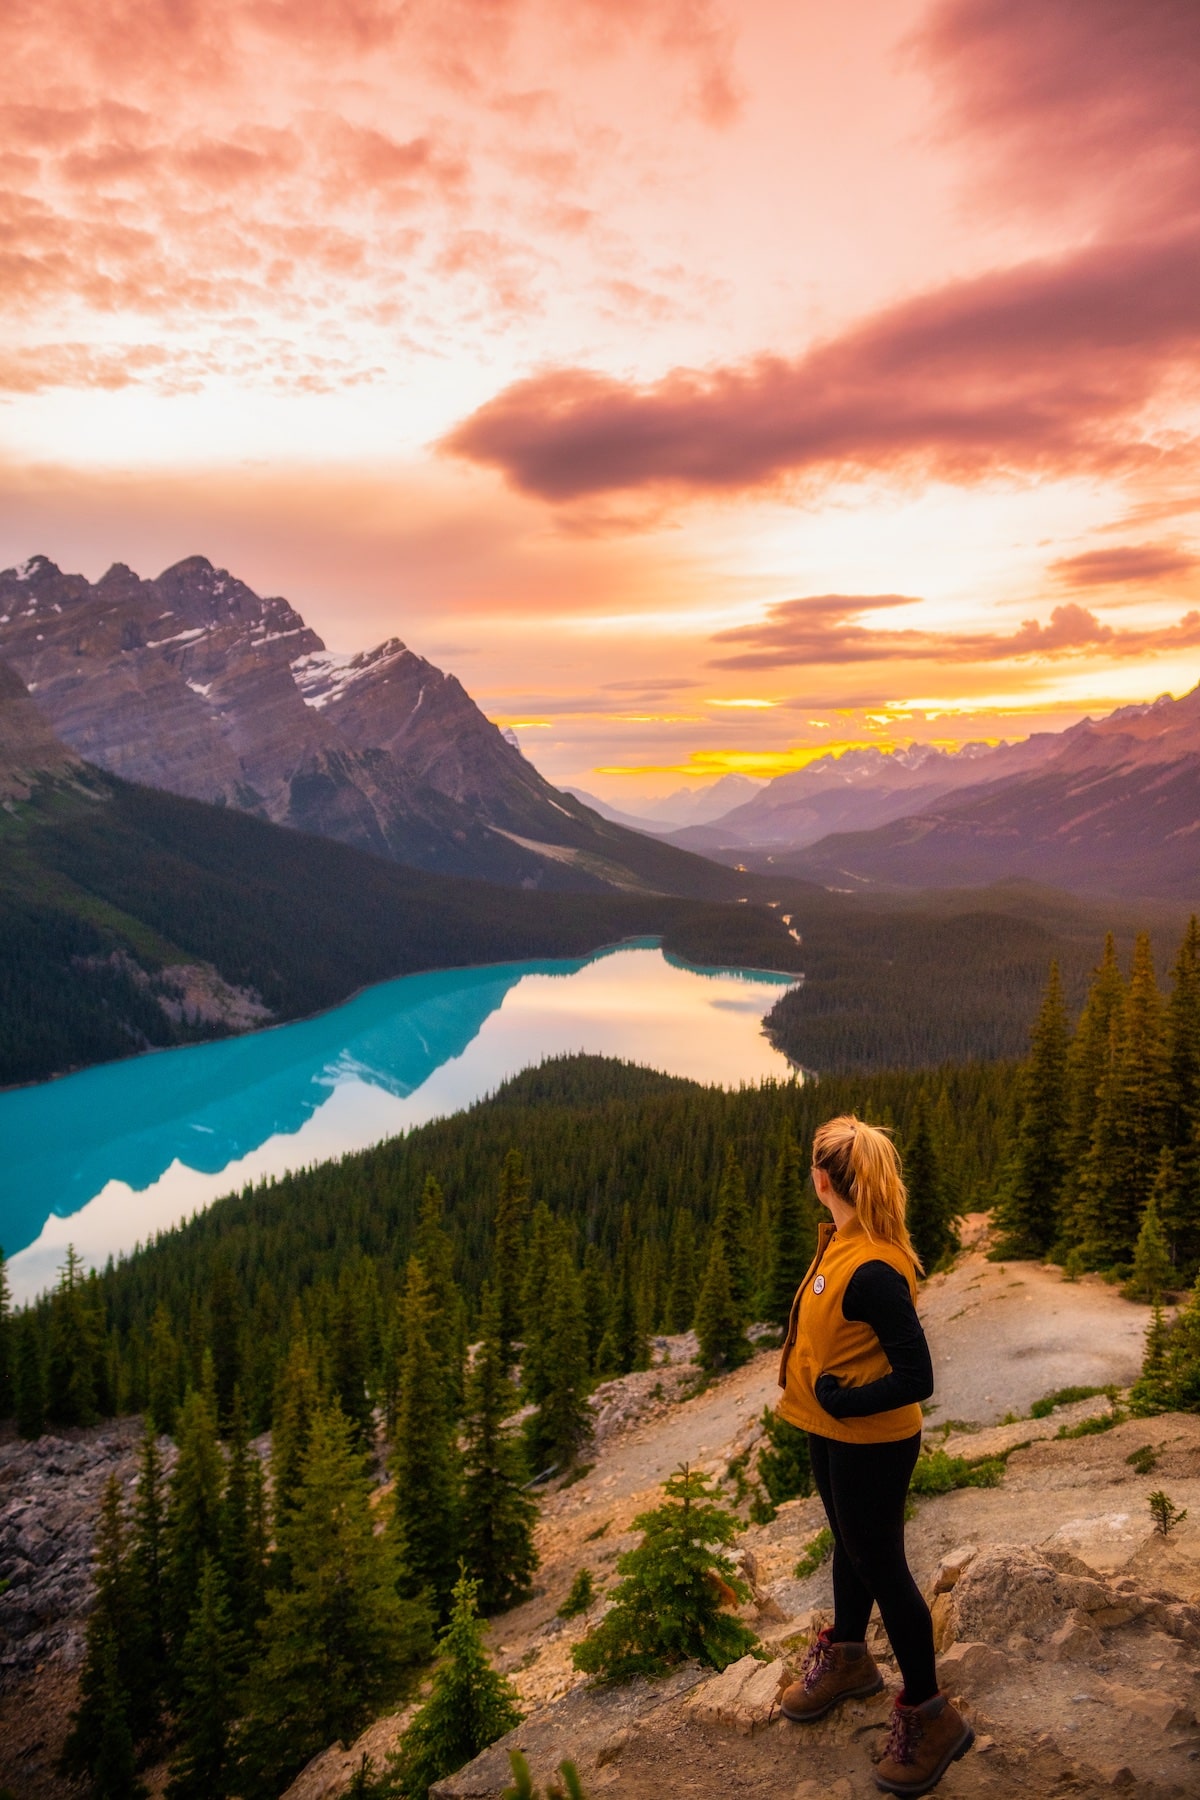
x=104, y=1158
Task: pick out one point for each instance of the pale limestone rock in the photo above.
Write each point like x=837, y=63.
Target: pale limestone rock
x=971, y=1668
x=1076, y=1640
x=952, y=1566
x=743, y=1698
x=1150, y=1706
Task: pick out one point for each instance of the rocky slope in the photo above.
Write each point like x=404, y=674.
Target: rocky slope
x=29, y=750
x=193, y=683
x=1070, y=1631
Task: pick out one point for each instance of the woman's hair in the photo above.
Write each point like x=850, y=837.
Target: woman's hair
x=864, y=1166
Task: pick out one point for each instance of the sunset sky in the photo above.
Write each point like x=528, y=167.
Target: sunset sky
x=704, y=384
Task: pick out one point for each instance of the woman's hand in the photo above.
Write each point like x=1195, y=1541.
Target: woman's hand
x=829, y=1390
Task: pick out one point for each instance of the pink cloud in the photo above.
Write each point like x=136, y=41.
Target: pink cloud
x=1046, y=366
x=1124, y=562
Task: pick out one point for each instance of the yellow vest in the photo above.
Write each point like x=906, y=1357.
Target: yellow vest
x=821, y=1342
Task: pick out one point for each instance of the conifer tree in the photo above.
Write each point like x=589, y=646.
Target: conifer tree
x=1089, y=1061
x=1152, y=1270
x=337, y=1644
x=1101, y=1211
x=793, y=1237
x=537, y=1297
x=75, y=1350
x=424, y=1459
x=297, y=1402
x=497, y=1516
x=164, y=1377
x=930, y=1214
x=1029, y=1213
x=349, y=1363
x=596, y=1301
x=732, y=1225
x=508, y=1251
x=719, y=1320
x=243, y=1529
x=114, y=1708
x=7, y=1398
x=683, y=1286
x=470, y=1705
x=148, y=1551
x=667, y=1606
x=114, y=1767
x=624, y=1346
x=193, y=1528
x=29, y=1386
x=1179, y=1204
x=209, y=1665
x=562, y=1423
x=434, y=1250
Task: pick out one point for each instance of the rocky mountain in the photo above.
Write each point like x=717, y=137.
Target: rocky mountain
x=685, y=807
x=193, y=683
x=857, y=790
x=1113, y=809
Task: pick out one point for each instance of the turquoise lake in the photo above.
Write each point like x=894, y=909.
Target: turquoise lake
x=105, y=1158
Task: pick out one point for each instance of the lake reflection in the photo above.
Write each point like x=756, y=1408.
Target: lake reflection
x=104, y=1158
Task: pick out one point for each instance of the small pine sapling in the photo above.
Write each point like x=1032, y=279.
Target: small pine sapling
x=1165, y=1513
x=581, y=1596
x=668, y=1605
x=566, y=1785
x=817, y=1551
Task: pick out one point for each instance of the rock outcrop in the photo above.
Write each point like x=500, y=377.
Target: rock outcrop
x=193, y=683
x=30, y=752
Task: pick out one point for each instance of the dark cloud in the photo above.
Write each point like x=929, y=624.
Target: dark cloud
x=1124, y=562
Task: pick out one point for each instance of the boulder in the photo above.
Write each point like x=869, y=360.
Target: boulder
x=743, y=1698
x=971, y=1668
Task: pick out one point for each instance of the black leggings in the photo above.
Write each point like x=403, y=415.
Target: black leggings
x=863, y=1488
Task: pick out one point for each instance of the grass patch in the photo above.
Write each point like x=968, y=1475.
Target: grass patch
x=938, y=1473
x=1041, y=1409
x=598, y=1533
x=576, y=1474
x=817, y=1551
x=1143, y=1459
x=1093, y=1427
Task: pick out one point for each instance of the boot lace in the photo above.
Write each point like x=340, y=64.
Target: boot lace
x=904, y=1736
x=818, y=1659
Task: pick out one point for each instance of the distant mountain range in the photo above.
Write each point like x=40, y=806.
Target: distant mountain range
x=193, y=683
x=1107, y=807
x=686, y=806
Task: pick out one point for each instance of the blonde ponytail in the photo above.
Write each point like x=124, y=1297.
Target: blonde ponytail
x=864, y=1166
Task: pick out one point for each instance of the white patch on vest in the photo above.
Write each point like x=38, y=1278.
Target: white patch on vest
x=819, y=1285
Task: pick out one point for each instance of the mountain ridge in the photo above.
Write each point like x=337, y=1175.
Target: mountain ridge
x=194, y=683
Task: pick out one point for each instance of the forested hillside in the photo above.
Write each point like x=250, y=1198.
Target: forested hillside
x=107, y=889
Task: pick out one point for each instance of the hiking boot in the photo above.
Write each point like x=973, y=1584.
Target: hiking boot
x=924, y=1740
x=831, y=1673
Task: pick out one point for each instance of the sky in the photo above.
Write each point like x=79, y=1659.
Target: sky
x=706, y=385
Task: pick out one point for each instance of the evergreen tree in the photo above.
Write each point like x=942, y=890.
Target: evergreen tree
x=424, y=1457
x=682, y=1289
x=596, y=1301
x=508, y=1251
x=931, y=1214
x=148, y=1553
x=349, y=1363
x=337, y=1644
x=1179, y=1204
x=75, y=1350
x=297, y=1402
x=1089, y=1061
x=470, y=1705
x=537, y=1301
x=732, y=1226
x=209, y=1663
x=1152, y=1270
x=114, y=1709
x=434, y=1250
x=1170, y=1378
x=562, y=1423
x=624, y=1346
x=719, y=1320
x=1029, y=1210
x=667, y=1606
x=113, y=1768
x=193, y=1529
x=793, y=1238
x=164, y=1378
x=243, y=1529
x=29, y=1386
x=497, y=1516
x=7, y=1394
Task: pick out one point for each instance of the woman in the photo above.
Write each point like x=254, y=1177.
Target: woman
x=853, y=1369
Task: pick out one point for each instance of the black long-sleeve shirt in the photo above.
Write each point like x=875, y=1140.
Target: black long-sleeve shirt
x=877, y=1295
